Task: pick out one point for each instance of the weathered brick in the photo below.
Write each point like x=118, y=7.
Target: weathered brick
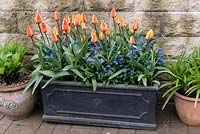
x=60, y=5
x=178, y=128
x=8, y=22
x=192, y=43
x=173, y=46
x=106, y=5
x=17, y=5
x=194, y=5
x=181, y=24
x=161, y=5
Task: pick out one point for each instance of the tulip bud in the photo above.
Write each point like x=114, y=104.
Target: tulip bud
x=83, y=17
x=56, y=16
x=103, y=26
x=150, y=34
x=108, y=31
x=132, y=40
x=44, y=27
x=29, y=31
x=135, y=26
x=38, y=19
x=122, y=23
x=113, y=13
x=117, y=20
x=54, y=37
x=93, y=37
x=55, y=31
x=76, y=20
x=68, y=19
x=65, y=25
x=101, y=35
x=94, y=19
x=154, y=47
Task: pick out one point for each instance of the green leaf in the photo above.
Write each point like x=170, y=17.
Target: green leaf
x=39, y=79
x=68, y=67
x=47, y=73
x=77, y=73
x=115, y=74
x=140, y=77
x=197, y=98
x=2, y=70
x=94, y=84
x=144, y=80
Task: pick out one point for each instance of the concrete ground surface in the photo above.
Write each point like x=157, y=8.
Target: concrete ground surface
x=167, y=120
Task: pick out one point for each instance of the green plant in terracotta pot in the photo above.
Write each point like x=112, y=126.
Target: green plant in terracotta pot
x=117, y=65
x=13, y=78
x=184, y=83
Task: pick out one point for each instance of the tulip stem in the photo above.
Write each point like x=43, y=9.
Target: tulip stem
x=58, y=27
x=47, y=38
x=33, y=40
x=114, y=28
x=41, y=32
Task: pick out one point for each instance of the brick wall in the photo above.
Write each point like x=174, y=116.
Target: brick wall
x=175, y=22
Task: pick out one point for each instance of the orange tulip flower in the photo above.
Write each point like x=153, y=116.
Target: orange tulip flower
x=108, y=31
x=65, y=25
x=44, y=27
x=113, y=13
x=29, y=31
x=150, y=34
x=135, y=26
x=55, y=31
x=83, y=17
x=132, y=40
x=76, y=20
x=38, y=19
x=94, y=19
x=103, y=26
x=56, y=16
x=122, y=23
x=68, y=19
x=101, y=35
x=54, y=37
x=117, y=20
x=83, y=26
x=93, y=37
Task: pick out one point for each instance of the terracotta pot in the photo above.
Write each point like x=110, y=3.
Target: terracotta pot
x=15, y=103
x=186, y=111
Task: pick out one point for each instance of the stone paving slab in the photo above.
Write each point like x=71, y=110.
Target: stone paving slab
x=168, y=123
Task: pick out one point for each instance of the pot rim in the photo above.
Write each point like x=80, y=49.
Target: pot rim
x=101, y=85
x=13, y=88
x=183, y=97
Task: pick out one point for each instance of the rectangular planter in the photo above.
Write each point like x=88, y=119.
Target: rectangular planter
x=113, y=106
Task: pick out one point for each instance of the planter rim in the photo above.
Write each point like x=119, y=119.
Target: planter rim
x=185, y=97
x=13, y=88
x=101, y=85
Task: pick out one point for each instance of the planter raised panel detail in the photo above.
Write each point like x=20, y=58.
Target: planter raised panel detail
x=113, y=106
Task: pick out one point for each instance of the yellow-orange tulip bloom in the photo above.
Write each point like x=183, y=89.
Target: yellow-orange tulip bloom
x=29, y=31
x=132, y=40
x=56, y=16
x=150, y=34
x=108, y=31
x=113, y=13
x=83, y=17
x=103, y=26
x=37, y=18
x=135, y=26
x=101, y=35
x=54, y=37
x=55, y=31
x=117, y=20
x=122, y=23
x=76, y=21
x=65, y=25
x=68, y=19
x=94, y=19
x=93, y=37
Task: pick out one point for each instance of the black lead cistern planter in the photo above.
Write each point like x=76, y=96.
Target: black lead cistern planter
x=112, y=106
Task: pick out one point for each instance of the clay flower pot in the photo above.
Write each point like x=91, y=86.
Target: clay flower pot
x=15, y=103
x=186, y=111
